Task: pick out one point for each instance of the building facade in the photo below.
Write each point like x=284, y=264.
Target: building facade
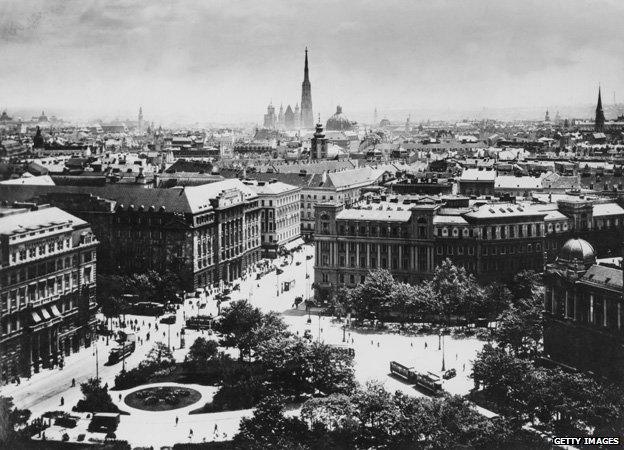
x=351, y=242
x=204, y=234
x=47, y=288
x=584, y=312
x=280, y=215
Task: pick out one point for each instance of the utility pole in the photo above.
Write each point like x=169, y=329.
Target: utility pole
x=443, y=366
x=97, y=369
x=123, y=356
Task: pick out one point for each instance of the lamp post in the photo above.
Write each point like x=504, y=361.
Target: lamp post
x=344, y=332
x=443, y=366
x=440, y=340
x=97, y=368
x=123, y=356
x=169, y=336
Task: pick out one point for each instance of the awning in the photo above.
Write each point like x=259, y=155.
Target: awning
x=44, y=312
x=35, y=317
x=55, y=311
x=293, y=244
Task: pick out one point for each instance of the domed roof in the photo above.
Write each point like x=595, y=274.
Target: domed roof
x=577, y=250
x=338, y=122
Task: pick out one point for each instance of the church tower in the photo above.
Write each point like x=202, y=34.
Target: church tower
x=307, y=117
x=600, y=118
x=297, y=117
x=318, y=143
x=140, y=121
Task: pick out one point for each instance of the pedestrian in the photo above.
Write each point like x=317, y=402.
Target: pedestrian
x=464, y=367
x=377, y=343
x=191, y=433
x=73, y=382
x=177, y=419
x=411, y=344
x=371, y=342
x=216, y=429
x=425, y=345
x=119, y=397
x=62, y=401
x=455, y=356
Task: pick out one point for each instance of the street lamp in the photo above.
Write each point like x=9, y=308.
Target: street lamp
x=440, y=340
x=443, y=365
x=344, y=332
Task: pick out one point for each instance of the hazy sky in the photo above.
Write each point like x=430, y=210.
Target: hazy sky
x=219, y=60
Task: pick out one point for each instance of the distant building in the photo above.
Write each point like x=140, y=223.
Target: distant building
x=318, y=144
x=270, y=120
x=47, y=288
x=339, y=121
x=584, y=312
x=599, y=121
x=289, y=119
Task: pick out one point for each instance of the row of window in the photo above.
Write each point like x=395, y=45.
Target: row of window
x=24, y=274
x=38, y=251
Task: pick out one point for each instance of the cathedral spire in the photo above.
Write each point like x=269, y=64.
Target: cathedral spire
x=600, y=118
x=307, y=116
x=305, y=69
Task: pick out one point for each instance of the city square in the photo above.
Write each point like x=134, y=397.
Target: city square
x=277, y=225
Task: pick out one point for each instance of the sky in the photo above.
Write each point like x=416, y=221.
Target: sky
x=226, y=60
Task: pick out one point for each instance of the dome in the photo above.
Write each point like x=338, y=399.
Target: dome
x=339, y=122
x=577, y=250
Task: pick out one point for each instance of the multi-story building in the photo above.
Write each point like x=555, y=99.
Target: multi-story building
x=584, y=312
x=351, y=242
x=280, y=222
x=47, y=288
x=205, y=234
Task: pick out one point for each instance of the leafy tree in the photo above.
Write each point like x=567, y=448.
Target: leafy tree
x=499, y=297
x=237, y=323
x=296, y=366
x=374, y=295
x=201, y=353
x=160, y=355
x=332, y=412
x=454, y=290
x=11, y=419
x=525, y=284
x=501, y=375
x=520, y=328
x=96, y=398
x=270, y=428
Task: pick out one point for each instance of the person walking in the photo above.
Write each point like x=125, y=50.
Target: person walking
x=177, y=419
x=62, y=401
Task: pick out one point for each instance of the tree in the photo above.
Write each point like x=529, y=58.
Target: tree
x=269, y=428
x=455, y=290
x=96, y=398
x=237, y=323
x=501, y=375
x=11, y=419
x=295, y=366
x=201, y=353
x=160, y=355
x=498, y=297
x=525, y=284
x=374, y=295
x=520, y=328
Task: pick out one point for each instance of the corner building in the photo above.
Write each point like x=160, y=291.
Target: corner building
x=47, y=288
x=584, y=314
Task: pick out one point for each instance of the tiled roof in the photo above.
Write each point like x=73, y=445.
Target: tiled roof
x=511, y=182
x=602, y=275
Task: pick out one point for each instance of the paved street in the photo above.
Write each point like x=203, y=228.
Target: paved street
x=373, y=352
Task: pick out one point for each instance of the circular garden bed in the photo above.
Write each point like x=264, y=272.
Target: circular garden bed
x=162, y=398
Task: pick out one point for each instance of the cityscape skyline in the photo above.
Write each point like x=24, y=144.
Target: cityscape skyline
x=114, y=57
